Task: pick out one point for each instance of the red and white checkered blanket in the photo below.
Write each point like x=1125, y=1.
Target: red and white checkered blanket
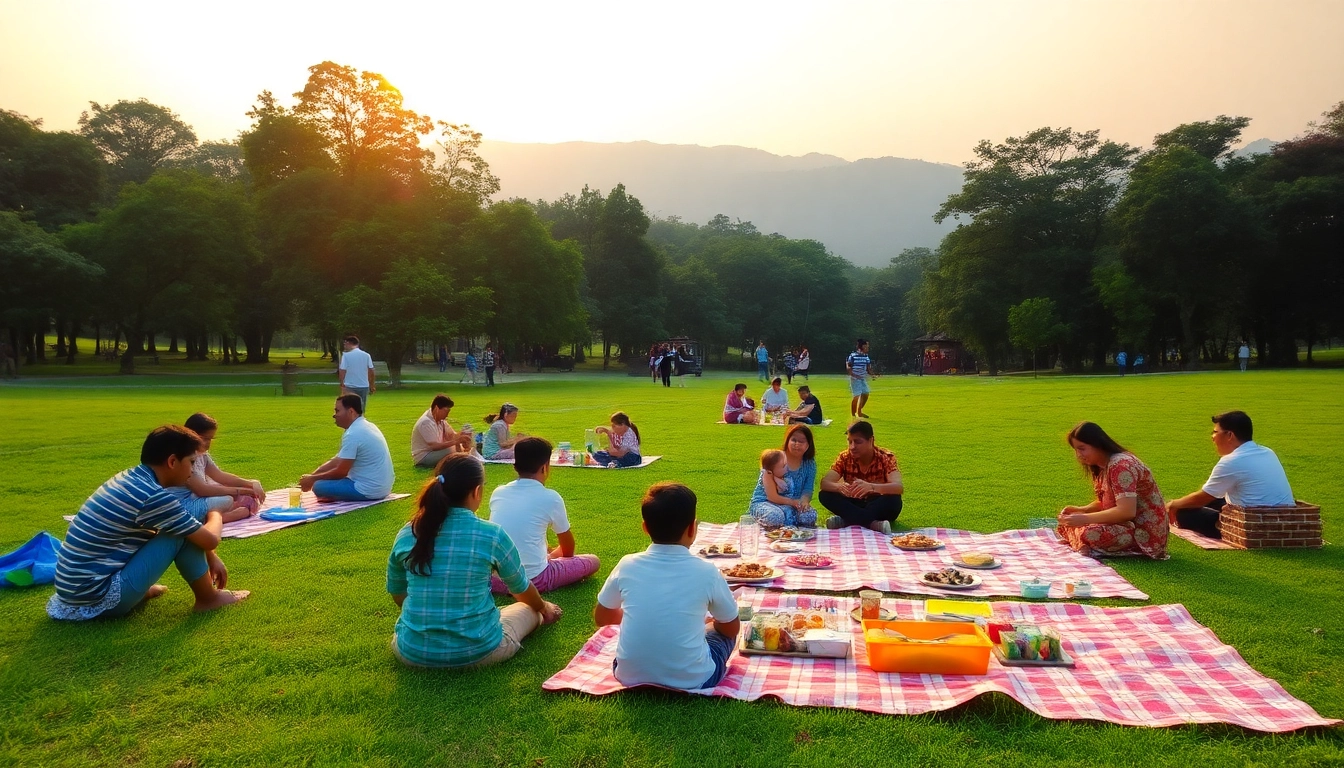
x=255, y=526
x=1147, y=666
x=865, y=558
x=1203, y=542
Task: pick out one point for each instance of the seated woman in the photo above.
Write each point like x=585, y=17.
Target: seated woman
x=775, y=399
x=738, y=408
x=774, y=505
x=439, y=575
x=210, y=487
x=1128, y=517
x=624, y=448
x=498, y=441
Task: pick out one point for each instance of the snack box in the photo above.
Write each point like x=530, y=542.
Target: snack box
x=967, y=655
x=791, y=640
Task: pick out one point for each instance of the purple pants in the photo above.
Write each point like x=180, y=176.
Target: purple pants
x=559, y=572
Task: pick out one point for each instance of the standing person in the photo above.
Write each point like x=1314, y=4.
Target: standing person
x=857, y=364
x=433, y=437
x=470, y=363
x=443, y=358
x=660, y=596
x=665, y=362
x=1244, y=355
x=863, y=486
x=498, y=441
x=683, y=365
x=738, y=408
x=1247, y=475
x=1138, y=363
x=489, y=359
x=624, y=443
x=438, y=574
x=210, y=487
x=762, y=362
x=131, y=529
x=790, y=364
x=362, y=468
x=356, y=372
x=525, y=509
x=1128, y=517
x=804, y=363
x=654, y=356
x=1121, y=360
x=809, y=408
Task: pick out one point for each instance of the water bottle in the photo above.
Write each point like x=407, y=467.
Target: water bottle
x=748, y=537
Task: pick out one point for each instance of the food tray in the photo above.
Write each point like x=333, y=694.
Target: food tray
x=1065, y=660
x=895, y=655
x=744, y=649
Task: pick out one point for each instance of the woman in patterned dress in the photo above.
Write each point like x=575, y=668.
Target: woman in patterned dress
x=1129, y=516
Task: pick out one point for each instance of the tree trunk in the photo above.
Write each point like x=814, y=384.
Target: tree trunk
x=60, y=337
x=97, y=338
x=72, y=348
x=1189, y=345
x=172, y=343
x=150, y=347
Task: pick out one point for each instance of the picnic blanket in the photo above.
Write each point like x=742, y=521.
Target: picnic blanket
x=1200, y=540
x=1148, y=666
x=279, y=498
x=824, y=423
x=865, y=558
x=556, y=462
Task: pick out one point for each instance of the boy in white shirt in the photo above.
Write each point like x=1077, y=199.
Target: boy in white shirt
x=525, y=508
x=660, y=597
x=1246, y=475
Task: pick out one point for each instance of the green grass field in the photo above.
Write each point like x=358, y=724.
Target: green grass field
x=301, y=674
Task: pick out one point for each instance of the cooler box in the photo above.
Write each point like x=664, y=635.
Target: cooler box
x=959, y=656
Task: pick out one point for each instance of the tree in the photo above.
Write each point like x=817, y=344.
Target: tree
x=55, y=178
x=1332, y=123
x=625, y=276
x=1212, y=139
x=361, y=117
x=1033, y=324
x=889, y=303
x=221, y=159
x=280, y=144
x=414, y=301
x=462, y=168
x=135, y=138
x=42, y=279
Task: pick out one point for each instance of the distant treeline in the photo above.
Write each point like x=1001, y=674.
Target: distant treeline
x=330, y=213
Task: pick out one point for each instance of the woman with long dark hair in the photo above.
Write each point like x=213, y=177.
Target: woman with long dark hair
x=772, y=507
x=1129, y=516
x=439, y=575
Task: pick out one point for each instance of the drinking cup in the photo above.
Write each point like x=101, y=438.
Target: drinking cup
x=870, y=604
x=295, y=498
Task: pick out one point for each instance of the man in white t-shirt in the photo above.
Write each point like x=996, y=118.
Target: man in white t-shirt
x=1247, y=475
x=362, y=468
x=1244, y=355
x=356, y=372
x=660, y=597
x=525, y=508
x=433, y=437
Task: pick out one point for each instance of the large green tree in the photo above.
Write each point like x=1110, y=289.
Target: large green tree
x=41, y=280
x=888, y=304
x=135, y=138
x=53, y=178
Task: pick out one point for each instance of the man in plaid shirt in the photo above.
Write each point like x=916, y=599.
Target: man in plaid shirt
x=864, y=484
x=488, y=360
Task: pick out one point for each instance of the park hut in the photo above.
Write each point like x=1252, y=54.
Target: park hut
x=940, y=353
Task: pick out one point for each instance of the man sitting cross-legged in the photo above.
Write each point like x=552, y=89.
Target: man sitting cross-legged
x=131, y=529
x=525, y=508
x=362, y=469
x=864, y=485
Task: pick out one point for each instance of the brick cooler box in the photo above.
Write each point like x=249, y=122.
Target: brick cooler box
x=1271, y=527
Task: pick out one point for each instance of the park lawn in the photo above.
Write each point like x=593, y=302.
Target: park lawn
x=301, y=674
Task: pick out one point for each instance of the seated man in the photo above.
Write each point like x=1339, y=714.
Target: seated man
x=433, y=437
x=1247, y=475
x=809, y=408
x=362, y=468
x=864, y=484
x=131, y=529
x=525, y=508
x=775, y=399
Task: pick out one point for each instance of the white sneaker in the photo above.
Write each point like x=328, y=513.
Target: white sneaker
x=881, y=526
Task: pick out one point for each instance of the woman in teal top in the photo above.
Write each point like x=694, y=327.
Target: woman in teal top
x=795, y=506
x=439, y=575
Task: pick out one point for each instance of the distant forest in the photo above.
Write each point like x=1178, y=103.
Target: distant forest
x=330, y=213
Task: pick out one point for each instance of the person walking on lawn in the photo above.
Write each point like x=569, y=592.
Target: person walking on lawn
x=857, y=364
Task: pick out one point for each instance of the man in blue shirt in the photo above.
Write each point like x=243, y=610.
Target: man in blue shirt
x=762, y=362
x=857, y=364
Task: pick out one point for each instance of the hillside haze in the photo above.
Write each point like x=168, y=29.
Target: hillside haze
x=865, y=210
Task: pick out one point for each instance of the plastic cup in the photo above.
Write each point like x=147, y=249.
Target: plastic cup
x=870, y=604
x=748, y=537
x=295, y=498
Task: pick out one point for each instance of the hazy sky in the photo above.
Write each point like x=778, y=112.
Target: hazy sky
x=911, y=79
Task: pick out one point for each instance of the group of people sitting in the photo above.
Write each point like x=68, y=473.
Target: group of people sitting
x=739, y=408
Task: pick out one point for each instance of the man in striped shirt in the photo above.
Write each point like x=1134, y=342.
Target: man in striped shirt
x=129, y=531
x=857, y=365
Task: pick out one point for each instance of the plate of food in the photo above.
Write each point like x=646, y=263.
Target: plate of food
x=786, y=547
x=883, y=614
x=915, y=542
x=790, y=533
x=809, y=562
x=978, y=561
x=720, y=550
x=950, y=578
x=748, y=573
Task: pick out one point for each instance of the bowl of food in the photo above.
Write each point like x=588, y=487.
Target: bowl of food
x=809, y=562
x=790, y=533
x=748, y=573
x=915, y=542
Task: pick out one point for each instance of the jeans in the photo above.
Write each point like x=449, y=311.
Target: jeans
x=627, y=460
x=489, y=375
x=1243, y=361
x=720, y=649
x=338, y=490
x=762, y=370
x=1203, y=520
x=861, y=511
x=150, y=562
x=363, y=393
x=199, y=506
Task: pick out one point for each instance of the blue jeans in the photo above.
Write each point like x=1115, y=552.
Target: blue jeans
x=199, y=506
x=628, y=460
x=762, y=370
x=720, y=648
x=338, y=490
x=363, y=393
x=150, y=562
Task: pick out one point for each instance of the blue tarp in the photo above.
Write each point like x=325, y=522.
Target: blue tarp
x=33, y=563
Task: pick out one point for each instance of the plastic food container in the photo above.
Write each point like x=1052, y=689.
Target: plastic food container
x=827, y=642
x=1035, y=588
x=961, y=657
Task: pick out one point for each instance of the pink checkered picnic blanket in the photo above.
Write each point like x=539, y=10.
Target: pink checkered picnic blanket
x=1203, y=542
x=1148, y=666
x=255, y=526
x=865, y=558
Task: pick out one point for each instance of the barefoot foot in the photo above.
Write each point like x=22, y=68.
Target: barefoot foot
x=155, y=591
x=222, y=598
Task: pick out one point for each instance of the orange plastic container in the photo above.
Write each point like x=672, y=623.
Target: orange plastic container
x=890, y=654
